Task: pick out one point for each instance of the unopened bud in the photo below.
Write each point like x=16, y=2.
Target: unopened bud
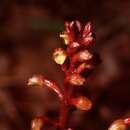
x=59, y=56
x=78, y=25
x=81, y=103
x=87, y=29
x=76, y=79
x=36, y=80
x=85, y=55
x=118, y=125
x=37, y=123
x=81, y=56
x=87, y=41
x=74, y=45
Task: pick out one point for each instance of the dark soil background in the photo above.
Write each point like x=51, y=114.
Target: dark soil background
x=29, y=32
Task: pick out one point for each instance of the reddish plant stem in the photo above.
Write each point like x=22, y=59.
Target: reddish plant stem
x=64, y=109
x=63, y=116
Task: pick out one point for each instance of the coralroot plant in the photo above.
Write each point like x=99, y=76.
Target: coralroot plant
x=77, y=63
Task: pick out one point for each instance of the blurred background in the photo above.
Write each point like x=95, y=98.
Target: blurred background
x=29, y=32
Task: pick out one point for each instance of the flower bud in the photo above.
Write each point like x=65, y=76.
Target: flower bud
x=82, y=68
x=81, y=103
x=37, y=123
x=87, y=29
x=87, y=40
x=81, y=56
x=85, y=55
x=76, y=79
x=118, y=125
x=88, y=37
x=59, y=56
x=78, y=25
x=36, y=80
x=74, y=45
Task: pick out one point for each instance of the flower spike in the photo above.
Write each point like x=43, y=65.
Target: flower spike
x=76, y=62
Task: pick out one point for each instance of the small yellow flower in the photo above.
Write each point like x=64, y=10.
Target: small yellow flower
x=59, y=56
